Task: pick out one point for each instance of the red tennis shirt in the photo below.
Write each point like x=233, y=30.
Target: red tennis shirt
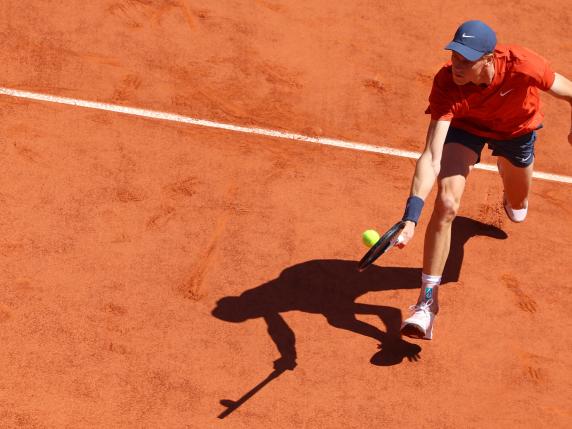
x=507, y=108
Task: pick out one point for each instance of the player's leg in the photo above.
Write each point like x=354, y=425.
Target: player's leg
x=457, y=162
x=515, y=162
x=516, y=183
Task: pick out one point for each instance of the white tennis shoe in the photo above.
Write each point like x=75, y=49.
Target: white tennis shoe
x=420, y=323
x=515, y=215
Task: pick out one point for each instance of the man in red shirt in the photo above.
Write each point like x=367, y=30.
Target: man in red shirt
x=486, y=94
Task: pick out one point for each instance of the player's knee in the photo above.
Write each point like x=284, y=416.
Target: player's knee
x=447, y=208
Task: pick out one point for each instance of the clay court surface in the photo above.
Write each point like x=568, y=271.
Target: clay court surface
x=123, y=239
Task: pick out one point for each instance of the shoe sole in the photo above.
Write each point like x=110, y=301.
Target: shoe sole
x=414, y=331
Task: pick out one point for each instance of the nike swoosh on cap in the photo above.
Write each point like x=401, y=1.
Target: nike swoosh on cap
x=467, y=36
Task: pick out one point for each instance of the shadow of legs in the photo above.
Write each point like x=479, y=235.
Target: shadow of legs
x=393, y=348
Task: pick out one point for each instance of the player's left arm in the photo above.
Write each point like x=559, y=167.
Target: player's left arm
x=562, y=89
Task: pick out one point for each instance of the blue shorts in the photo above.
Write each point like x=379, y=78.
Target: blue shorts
x=519, y=151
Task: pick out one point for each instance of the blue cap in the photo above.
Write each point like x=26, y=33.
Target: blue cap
x=473, y=39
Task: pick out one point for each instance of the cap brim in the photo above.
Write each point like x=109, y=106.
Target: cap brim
x=465, y=51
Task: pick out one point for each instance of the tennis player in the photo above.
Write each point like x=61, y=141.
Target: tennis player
x=487, y=93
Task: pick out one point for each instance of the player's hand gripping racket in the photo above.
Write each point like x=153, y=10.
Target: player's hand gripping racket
x=386, y=242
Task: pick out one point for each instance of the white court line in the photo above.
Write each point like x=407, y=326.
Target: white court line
x=250, y=130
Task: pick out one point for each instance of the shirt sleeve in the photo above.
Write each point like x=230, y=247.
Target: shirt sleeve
x=539, y=70
x=441, y=103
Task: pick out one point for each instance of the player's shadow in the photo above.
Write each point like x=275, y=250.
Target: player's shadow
x=463, y=229
x=331, y=287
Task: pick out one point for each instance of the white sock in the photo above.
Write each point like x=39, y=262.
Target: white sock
x=428, y=283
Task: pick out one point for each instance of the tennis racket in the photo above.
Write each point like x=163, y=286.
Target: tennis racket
x=386, y=242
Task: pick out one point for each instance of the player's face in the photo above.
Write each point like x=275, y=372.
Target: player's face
x=465, y=71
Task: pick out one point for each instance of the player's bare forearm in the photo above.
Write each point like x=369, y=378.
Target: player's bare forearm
x=429, y=163
x=562, y=89
x=426, y=172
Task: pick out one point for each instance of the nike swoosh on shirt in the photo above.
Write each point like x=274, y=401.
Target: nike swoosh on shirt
x=502, y=94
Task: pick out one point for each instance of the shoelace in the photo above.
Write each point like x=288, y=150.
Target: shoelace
x=424, y=306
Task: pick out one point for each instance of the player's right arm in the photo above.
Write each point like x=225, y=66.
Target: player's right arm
x=429, y=163
x=426, y=170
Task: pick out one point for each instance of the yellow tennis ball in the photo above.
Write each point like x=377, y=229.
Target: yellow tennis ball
x=370, y=237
